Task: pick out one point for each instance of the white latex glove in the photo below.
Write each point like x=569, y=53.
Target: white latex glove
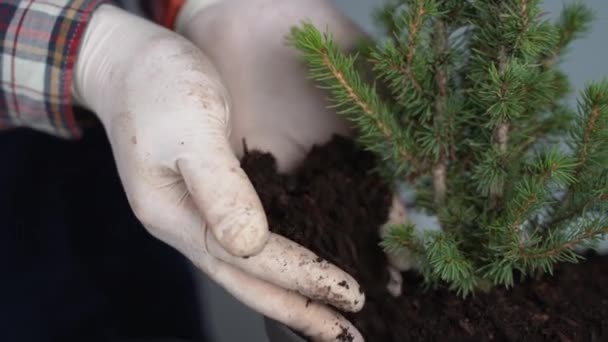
x=166, y=114
x=275, y=106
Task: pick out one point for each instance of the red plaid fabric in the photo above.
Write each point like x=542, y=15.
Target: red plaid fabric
x=39, y=40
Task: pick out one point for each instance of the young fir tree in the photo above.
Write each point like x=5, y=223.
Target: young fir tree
x=468, y=105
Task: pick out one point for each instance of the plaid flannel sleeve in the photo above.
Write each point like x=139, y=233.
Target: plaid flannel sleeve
x=39, y=41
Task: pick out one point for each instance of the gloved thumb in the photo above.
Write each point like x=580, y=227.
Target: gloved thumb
x=226, y=198
x=169, y=97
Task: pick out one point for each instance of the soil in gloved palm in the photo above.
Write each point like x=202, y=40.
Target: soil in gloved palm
x=334, y=206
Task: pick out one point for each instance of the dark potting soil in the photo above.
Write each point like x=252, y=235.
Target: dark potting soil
x=334, y=206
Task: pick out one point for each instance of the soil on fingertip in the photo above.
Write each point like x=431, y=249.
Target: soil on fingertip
x=334, y=205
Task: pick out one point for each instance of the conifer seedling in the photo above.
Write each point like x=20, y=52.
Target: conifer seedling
x=469, y=107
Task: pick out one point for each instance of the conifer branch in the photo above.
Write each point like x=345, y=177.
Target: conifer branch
x=437, y=252
x=521, y=213
x=536, y=130
x=589, y=133
x=448, y=263
x=583, y=151
x=573, y=23
x=533, y=193
x=358, y=100
x=378, y=129
x=402, y=236
x=555, y=246
x=577, y=209
x=398, y=60
x=414, y=32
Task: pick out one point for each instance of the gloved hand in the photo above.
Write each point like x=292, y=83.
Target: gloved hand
x=167, y=115
x=275, y=106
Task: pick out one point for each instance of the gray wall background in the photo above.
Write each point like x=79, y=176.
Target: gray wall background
x=228, y=321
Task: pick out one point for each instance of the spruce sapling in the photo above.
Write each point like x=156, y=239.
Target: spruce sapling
x=468, y=105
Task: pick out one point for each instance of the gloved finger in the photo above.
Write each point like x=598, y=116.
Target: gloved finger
x=288, y=265
x=314, y=320
x=175, y=220
x=226, y=199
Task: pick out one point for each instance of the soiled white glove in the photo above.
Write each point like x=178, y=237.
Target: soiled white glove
x=275, y=106
x=167, y=115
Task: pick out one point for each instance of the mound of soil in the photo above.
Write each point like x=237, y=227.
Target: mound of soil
x=334, y=206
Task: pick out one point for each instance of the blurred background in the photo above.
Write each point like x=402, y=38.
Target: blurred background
x=586, y=61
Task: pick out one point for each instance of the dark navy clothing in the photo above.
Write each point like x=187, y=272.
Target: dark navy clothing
x=75, y=265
